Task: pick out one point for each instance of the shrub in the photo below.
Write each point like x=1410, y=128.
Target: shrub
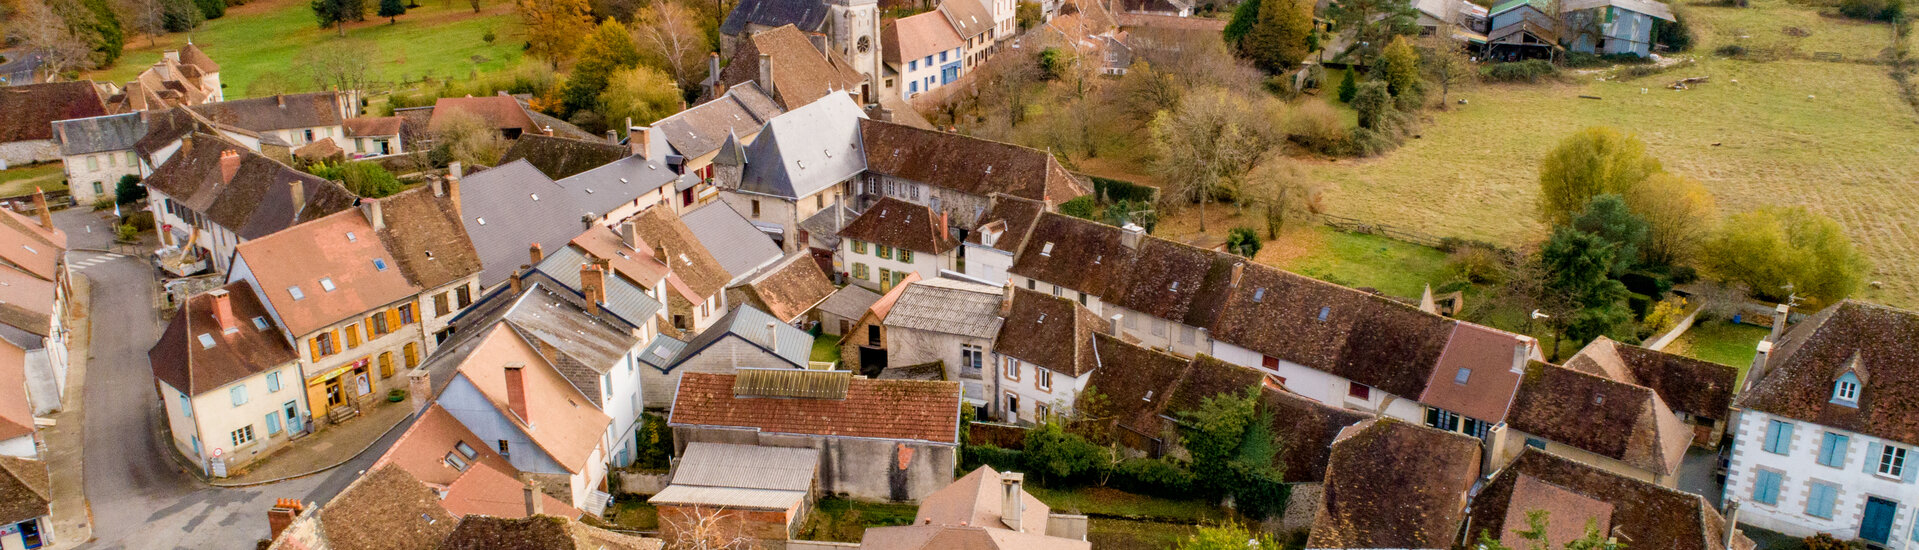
x=1477, y=265
x=1005, y=460
x=140, y=220
x=1531, y=70
x=656, y=443
x=1316, y=126
x=1243, y=241
x=1348, y=86
x=129, y=190
x=1112, y=190
x=1056, y=456
x=1153, y=476
x=1082, y=206
x=1731, y=50
x=488, y=36
x=1053, y=63
x=1874, y=10
x=369, y=179
x=126, y=233
x=1664, y=316
x=102, y=203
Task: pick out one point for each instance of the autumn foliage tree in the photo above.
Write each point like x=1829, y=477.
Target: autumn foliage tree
x=641, y=93
x=607, y=50
x=1281, y=36
x=554, y=28
x=1587, y=164
x=670, y=36
x=1780, y=252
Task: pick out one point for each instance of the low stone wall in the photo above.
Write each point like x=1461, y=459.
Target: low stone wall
x=642, y=483
x=1301, y=506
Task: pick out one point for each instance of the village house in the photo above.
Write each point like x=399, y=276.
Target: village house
x=1390, y=484
x=19, y=434
x=733, y=118
x=97, y=152
x=509, y=207
x=505, y=113
x=738, y=491
x=863, y=343
x=228, y=381
x=787, y=290
x=34, y=287
x=372, y=136
x=989, y=250
x=352, y=289
x=743, y=338
x=213, y=194
x=1456, y=19
x=801, y=163
x=985, y=509
x=180, y=78
x=891, y=440
x=952, y=323
x=469, y=476
x=954, y=174
x=27, y=490
x=167, y=133
x=1576, y=495
x=293, y=119
x=839, y=311
x=925, y=50
x=385, y=509
x=973, y=21
x=798, y=54
x=27, y=114
x=1823, y=439
x=1145, y=390
x=698, y=280
x=1043, y=355
x=894, y=238
x=739, y=246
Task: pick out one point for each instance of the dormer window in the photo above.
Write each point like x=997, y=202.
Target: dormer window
x=1846, y=390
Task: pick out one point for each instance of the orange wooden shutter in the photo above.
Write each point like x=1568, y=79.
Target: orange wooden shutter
x=393, y=318
x=337, y=348
x=314, y=343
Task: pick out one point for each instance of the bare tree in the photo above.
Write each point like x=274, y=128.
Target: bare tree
x=338, y=65
x=148, y=17
x=61, y=50
x=669, y=36
x=703, y=528
x=1447, y=65
x=1283, y=192
x=1211, y=142
x=469, y=139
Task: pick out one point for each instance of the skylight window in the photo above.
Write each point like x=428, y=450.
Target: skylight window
x=30, y=249
x=206, y=340
x=464, y=449
x=1259, y=294
x=326, y=283
x=455, y=461
x=1462, y=376
x=1599, y=399
x=1046, y=250
x=589, y=190
x=1324, y=311
x=536, y=196
x=1042, y=317
x=1175, y=287
x=684, y=259
x=295, y=291
x=350, y=237
x=260, y=323
x=379, y=263
x=622, y=180
x=481, y=220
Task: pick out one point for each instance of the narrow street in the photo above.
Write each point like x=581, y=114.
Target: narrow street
x=140, y=497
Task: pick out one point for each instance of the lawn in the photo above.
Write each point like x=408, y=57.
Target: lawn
x=438, y=39
x=634, y=514
x=1114, y=503
x=843, y=520
x=826, y=348
x=1721, y=342
x=22, y=180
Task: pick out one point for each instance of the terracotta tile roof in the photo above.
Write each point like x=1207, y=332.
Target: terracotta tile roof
x=385, y=509
x=884, y=305
x=257, y=201
x=560, y=157
x=31, y=248
x=16, y=415
x=944, y=537
x=884, y=409
x=689, y=259
x=1390, y=484
x=976, y=499
x=182, y=360
x=1177, y=282
x=26, y=303
x=1879, y=344
x=341, y=250
x=790, y=289
x=192, y=55
x=538, y=533
x=1137, y=383
x=1012, y=217
x=1646, y=514
x=1688, y=385
x=900, y=224
x=1052, y=332
x=499, y=111
x=281, y=112
x=965, y=164
x=1614, y=419
x=488, y=490
x=801, y=74
x=1568, y=513
x=373, y=126
x=27, y=112
x=566, y=431
x=638, y=263
x=1082, y=255
x=423, y=448
x=916, y=36
x=1477, y=373
x=1362, y=337
x=1308, y=428
x=26, y=489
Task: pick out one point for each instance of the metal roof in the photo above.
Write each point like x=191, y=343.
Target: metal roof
x=736, y=243
x=509, y=207
x=625, y=300
x=749, y=323
x=747, y=466
x=949, y=307
x=730, y=497
x=807, y=149
x=662, y=351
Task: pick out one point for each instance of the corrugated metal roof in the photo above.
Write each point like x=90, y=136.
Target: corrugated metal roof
x=736, y=243
x=731, y=497
x=747, y=467
x=810, y=384
x=949, y=307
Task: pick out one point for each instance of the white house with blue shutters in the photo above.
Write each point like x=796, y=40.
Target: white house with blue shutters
x=1827, y=436
x=925, y=50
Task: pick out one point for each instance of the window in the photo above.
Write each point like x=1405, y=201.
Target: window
x=260, y=323
x=406, y=314
x=1765, y=487
x=1082, y=298
x=295, y=292
x=243, y=436
x=859, y=247
x=1462, y=376
x=1362, y=391
x=873, y=335
x=942, y=57
x=1820, y=498
x=239, y=395
x=1442, y=419
x=386, y=365
x=380, y=327
x=1010, y=367
x=906, y=256
x=756, y=208
x=98, y=189
x=273, y=382
x=971, y=357
x=1042, y=379
x=379, y=264
x=1159, y=325
x=326, y=284
x=454, y=460
x=885, y=252
x=1832, y=450
x=1892, y=461
x=463, y=296
x=1185, y=334
x=93, y=162
x=1846, y=390
x=441, y=305
x=1012, y=406
x=206, y=341
x=928, y=60
x=1041, y=412
x=913, y=65
x=1269, y=362
x=1778, y=437
x=503, y=446
x=861, y=272
x=1032, y=284
x=131, y=159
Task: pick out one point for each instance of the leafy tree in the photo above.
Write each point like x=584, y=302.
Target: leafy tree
x=607, y=50
x=1213, y=434
x=1028, y=15
x=1244, y=16
x=338, y=12
x=129, y=190
x=1055, y=455
x=1374, y=23
x=182, y=15
x=1054, y=63
x=1448, y=66
x=1230, y=536
x=670, y=36
x=469, y=139
x=1348, y=86
x=1281, y=36
x=1608, y=218
x=554, y=28
x=1534, y=536
x=96, y=24
x=391, y=10
x=642, y=93
x=1576, y=266
x=212, y=9
x=1676, y=34
x=1374, y=104
x=1679, y=214
x=1399, y=67
x=1587, y=164
x=1783, y=251
x=1243, y=241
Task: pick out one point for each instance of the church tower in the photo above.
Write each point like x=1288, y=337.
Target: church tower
x=853, y=29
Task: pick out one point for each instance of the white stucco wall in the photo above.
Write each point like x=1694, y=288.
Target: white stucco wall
x=927, y=265
x=1025, y=384
x=1856, y=478
x=215, y=417
x=22, y=447
x=1324, y=387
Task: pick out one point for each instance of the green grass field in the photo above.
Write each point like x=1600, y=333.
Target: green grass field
x=22, y=180
x=1721, y=342
x=439, y=39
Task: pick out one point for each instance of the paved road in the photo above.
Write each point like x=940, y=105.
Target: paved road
x=139, y=496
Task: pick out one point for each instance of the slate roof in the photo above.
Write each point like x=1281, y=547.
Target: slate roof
x=751, y=325
x=1648, y=515
x=916, y=36
x=1137, y=383
x=504, y=197
x=741, y=112
x=806, y=150
x=560, y=157
x=1880, y=344
x=385, y=509
x=181, y=360
x=625, y=300
x=734, y=242
x=801, y=73
x=965, y=164
x=807, y=15
x=1617, y=420
x=662, y=351
x=947, y=307
x=1491, y=375
x=99, y=134
x=1013, y=217
x=371, y=126
x=1082, y=255
x=280, y=112
x=913, y=410
x=1308, y=427
x=904, y=225
x=27, y=111
x=1051, y=332
x=164, y=127
x=789, y=289
x=582, y=347
x=26, y=489
x=1390, y=484
x=258, y=201
x=538, y=533
x=1688, y=385
x=850, y=301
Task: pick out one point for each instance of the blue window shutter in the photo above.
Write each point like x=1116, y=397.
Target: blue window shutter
x=273, y=382
x=1778, y=437
x=1766, y=487
x=1910, y=469
x=1872, y=458
x=273, y=423
x=1832, y=450
x=239, y=395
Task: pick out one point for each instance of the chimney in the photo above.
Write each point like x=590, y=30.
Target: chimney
x=298, y=190
x=280, y=99
x=281, y=516
x=593, y=287
x=515, y=282
x=419, y=385
x=1732, y=521
x=1779, y=316
x=1758, y=368
x=1006, y=301
x=1012, y=506
x=371, y=207
x=1239, y=270
x=639, y=141
x=548, y=130
x=766, y=74
x=223, y=310
x=773, y=336
x=613, y=137
x=456, y=169
x=630, y=234
x=1130, y=235
x=532, y=493
x=535, y=253
x=438, y=185
x=1112, y=325
x=40, y=205
x=945, y=232
x=229, y=165
x=516, y=389
x=171, y=55
x=453, y=189
x=713, y=73
x=1522, y=351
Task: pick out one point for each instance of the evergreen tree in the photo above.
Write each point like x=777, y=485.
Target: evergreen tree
x=392, y=10
x=1244, y=16
x=1348, y=87
x=1281, y=36
x=1399, y=67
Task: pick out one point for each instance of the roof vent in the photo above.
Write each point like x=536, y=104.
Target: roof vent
x=350, y=237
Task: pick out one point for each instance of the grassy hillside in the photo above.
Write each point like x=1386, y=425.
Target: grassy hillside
x=439, y=39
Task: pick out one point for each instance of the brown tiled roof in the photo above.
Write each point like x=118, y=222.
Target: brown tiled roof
x=965, y=164
x=499, y=111
x=801, y=74
x=1688, y=385
x=1177, y=282
x=1614, y=419
x=1051, y=332
x=387, y=509
x=560, y=157
x=976, y=499
x=689, y=259
x=538, y=533
x=31, y=248
x=969, y=18
x=1568, y=514
x=27, y=112
x=1881, y=342
x=422, y=450
x=181, y=361
x=25, y=489
x=1208, y=377
x=1082, y=255
x=953, y=537
x=192, y=55
x=1365, y=338
x=1390, y=484
x=1487, y=357
x=320, y=149
x=919, y=410
x=900, y=224
x=1015, y=218
x=281, y=112
x=916, y=36
x=1137, y=383
x=341, y=248
x=1308, y=428
x=1646, y=514
x=424, y=237
x=790, y=288
x=258, y=201
x=371, y=126
x=16, y=415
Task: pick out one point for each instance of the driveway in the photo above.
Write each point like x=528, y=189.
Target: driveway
x=139, y=495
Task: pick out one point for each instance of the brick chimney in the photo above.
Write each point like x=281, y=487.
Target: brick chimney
x=515, y=281
x=40, y=205
x=419, y=388
x=535, y=253
x=299, y=193
x=639, y=141
x=713, y=73
x=280, y=99
x=1239, y=270
x=371, y=208
x=516, y=389
x=531, y=494
x=766, y=74
x=593, y=287
x=453, y=190
x=548, y=130
x=946, y=233
x=1006, y=300
x=1012, y=505
x=223, y=310
x=281, y=516
x=630, y=234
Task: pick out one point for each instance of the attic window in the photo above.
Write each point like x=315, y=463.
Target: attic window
x=260, y=323
x=464, y=449
x=206, y=341
x=1046, y=250
x=350, y=237
x=295, y=291
x=481, y=220
x=1259, y=295
x=1599, y=399
x=1462, y=376
x=379, y=263
x=30, y=249
x=800, y=163
x=1846, y=390
x=326, y=283
x=1175, y=287
x=1323, y=312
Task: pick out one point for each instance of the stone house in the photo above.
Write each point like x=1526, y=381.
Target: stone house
x=213, y=194
x=950, y=322
x=1043, y=355
x=894, y=238
x=954, y=174
x=1390, y=484
x=694, y=137
x=743, y=338
x=373, y=136
x=1576, y=494
x=801, y=163
x=698, y=280
x=228, y=381
x=180, y=78
x=794, y=65
x=27, y=114
x=863, y=343
x=97, y=152
x=839, y=311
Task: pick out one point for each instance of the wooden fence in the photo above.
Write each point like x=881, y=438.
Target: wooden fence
x=1355, y=225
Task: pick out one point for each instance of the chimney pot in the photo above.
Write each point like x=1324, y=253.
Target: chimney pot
x=40, y=205
x=548, y=130
x=223, y=309
x=535, y=253
x=773, y=336
x=713, y=73
x=516, y=389
x=1239, y=270
x=229, y=165
x=1112, y=325
x=639, y=141
x=1012, y=505
x=945, y=231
